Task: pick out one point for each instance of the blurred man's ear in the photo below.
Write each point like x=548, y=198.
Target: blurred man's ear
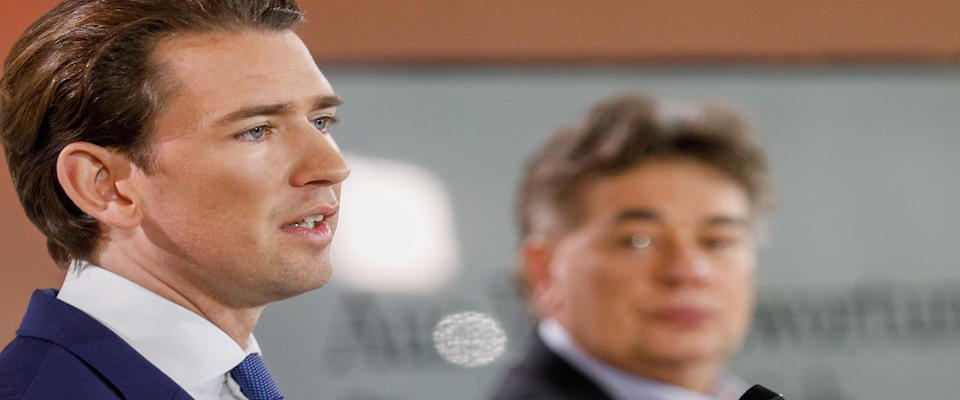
x=535, y=256
x=97, y=180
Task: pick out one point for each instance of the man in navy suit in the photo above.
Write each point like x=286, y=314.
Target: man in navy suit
x=638, y=253
x=177, y=156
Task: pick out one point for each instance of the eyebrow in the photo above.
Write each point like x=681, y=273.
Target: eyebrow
x=636, y=214
x=727, y=220
x=320, y=103
x=648, y=215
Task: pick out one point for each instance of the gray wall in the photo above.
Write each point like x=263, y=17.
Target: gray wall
x=859, y=283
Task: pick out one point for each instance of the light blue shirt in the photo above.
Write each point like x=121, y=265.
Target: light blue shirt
x=622, y=385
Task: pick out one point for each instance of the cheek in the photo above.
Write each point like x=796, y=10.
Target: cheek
x=218, y=194
x=591, y=282
x=738, y=297
x=603, y=287
x=735, y=270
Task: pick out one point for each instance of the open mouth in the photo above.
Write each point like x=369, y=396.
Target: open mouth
x=314, y=228
x=309, y=222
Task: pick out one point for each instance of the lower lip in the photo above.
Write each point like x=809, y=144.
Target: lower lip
x=320, y=235
x=684, y=317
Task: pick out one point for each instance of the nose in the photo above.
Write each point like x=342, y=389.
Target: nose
x=684, y=263
x=319, y=161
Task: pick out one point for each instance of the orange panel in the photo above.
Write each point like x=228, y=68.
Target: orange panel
x=24, y=263
x=621, y=30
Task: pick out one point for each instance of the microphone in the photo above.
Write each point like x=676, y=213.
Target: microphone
x=758, y=392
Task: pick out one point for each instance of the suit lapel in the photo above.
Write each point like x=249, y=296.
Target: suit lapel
x=50, y=319
x=561, y=374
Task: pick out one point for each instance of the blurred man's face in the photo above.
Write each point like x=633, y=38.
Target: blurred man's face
x=659, y=274
x=245, y=165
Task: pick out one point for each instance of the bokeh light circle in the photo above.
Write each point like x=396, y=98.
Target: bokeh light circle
x=469, y=339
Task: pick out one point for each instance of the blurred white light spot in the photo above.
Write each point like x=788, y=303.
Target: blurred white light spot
x=469, y=339
x=640, y=241
x=395, y=232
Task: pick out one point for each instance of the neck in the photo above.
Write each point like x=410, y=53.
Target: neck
x=236, y=322
x=697, y=377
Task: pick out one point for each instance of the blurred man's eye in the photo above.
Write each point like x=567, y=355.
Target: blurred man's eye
x=719, y=242
x=634, y=241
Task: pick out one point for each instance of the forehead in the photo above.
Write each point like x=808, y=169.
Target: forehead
x=676, y=191
x=218, y=72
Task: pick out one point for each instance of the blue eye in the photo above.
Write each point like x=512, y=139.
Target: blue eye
x=253, y=134
x=323, y=123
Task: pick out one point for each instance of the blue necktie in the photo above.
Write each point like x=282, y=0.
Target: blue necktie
x=254, y=379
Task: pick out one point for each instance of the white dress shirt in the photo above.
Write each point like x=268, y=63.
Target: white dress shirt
x=192, y=351
x=622, y=385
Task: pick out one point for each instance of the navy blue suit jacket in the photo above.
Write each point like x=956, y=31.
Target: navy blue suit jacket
x=61, y=352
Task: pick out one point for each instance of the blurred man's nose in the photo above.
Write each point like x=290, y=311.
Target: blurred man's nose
x=684, y=263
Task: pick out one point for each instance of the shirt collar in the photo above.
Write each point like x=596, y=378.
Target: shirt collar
x=620, y=384
x=187, y=347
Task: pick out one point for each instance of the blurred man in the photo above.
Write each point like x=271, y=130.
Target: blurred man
x=638, y=254
x=177, y=156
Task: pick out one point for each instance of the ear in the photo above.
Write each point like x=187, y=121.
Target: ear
x=93, y=176
x=535, y=257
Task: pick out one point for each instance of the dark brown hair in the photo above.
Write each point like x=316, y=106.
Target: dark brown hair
x=83, y=72
x=624, y=131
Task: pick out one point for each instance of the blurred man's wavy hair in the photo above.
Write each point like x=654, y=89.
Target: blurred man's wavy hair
x=625, y=131
x=84, y=72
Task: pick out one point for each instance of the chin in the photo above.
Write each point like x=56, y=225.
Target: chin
x=687, y=353
x=683, y=347
x=292, y=280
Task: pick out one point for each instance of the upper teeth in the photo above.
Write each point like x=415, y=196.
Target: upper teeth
x=310, y=222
